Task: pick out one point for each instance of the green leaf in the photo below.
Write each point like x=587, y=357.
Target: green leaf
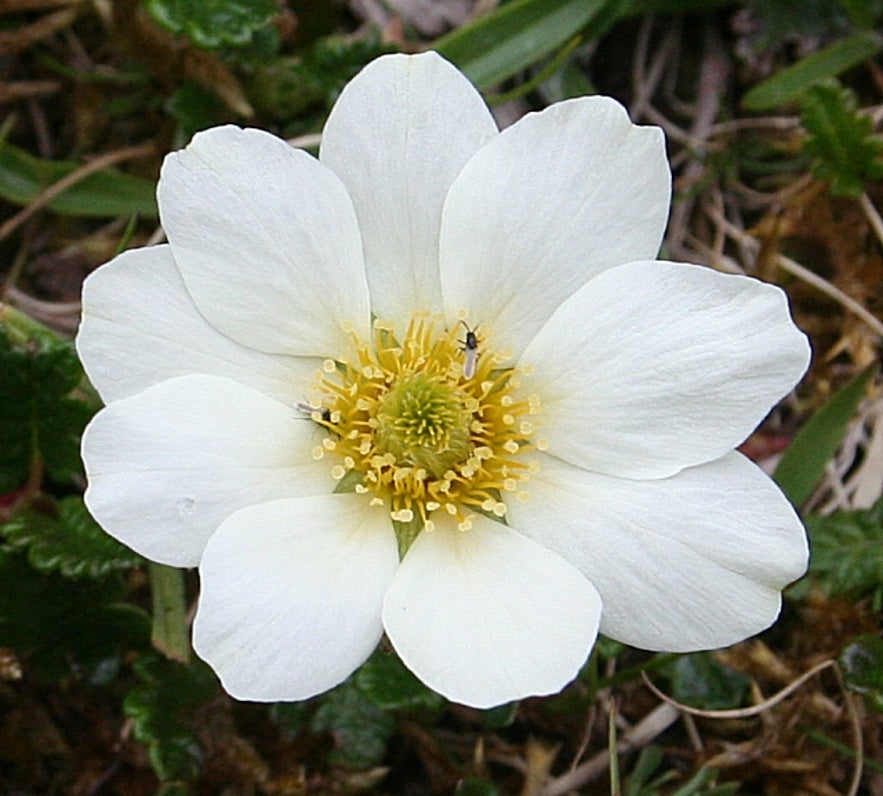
x=61, y=625
x=360, y=729
x=40, y=424
x=107, y=193
x=847, y=550
x=211, y=24
x=69, y=542
x=803, y=463
x=701, y=681
x=386, y=682
x=862, y=665
x=706, y=777
x=845, y=151
x=649, y=760
x=788, y=84
x=518, y=34
x=162, y=708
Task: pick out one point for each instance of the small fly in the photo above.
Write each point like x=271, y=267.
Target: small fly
x=308, y=409
x=470, y=350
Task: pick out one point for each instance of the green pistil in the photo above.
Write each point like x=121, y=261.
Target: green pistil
x=422, y=422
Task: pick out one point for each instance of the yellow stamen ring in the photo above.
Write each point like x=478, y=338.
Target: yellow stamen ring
x=416, y=433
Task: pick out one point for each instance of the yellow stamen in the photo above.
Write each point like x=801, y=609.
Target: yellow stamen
x=415, y=434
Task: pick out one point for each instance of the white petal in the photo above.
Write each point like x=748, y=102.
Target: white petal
x=552, y=201
x=167, y=465
x=141, y=327
x=398, y=136
x=656, y=366
x=487, y=616
x=695, y=561
x=291, y=595
x=267, y=241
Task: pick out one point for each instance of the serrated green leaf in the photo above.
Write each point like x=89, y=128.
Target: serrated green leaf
x=845, y=151
x=211, y=24
x=386, y=682
x=289, y=86
x=69, y=542
x=360, y=729
x=38, y=418
x=701, y=681
x=518, y=34
x=847, y=550
x=58, y=623
x=803, y=463
x=107, y=193
x=161, y=708
x=789, y=84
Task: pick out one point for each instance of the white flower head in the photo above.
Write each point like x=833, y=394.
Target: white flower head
x=434, y=384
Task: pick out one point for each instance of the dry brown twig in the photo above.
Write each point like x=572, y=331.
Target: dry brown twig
x=652, y=725
x=794, y=268
x=23, y=38
x=775, y=699
x=854, y=477
x=21, y=89
x=872, y=215
x=58, y=315
x=741, y=713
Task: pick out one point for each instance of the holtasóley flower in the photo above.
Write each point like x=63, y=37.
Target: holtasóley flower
x=434, y=384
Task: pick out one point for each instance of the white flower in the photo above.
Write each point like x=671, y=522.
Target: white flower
x=290, y=405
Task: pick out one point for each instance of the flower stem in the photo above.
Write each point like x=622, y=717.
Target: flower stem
x=613, y=749
x=170, y=634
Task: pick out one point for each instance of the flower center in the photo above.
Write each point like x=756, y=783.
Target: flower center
x=424, y=424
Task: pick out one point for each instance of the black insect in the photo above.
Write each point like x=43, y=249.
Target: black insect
x=308, y=409
x=470, y=349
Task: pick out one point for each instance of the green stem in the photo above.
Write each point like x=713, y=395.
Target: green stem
x=613, y=750
x=127, y=235
x=19, y=327
x=170, y=632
